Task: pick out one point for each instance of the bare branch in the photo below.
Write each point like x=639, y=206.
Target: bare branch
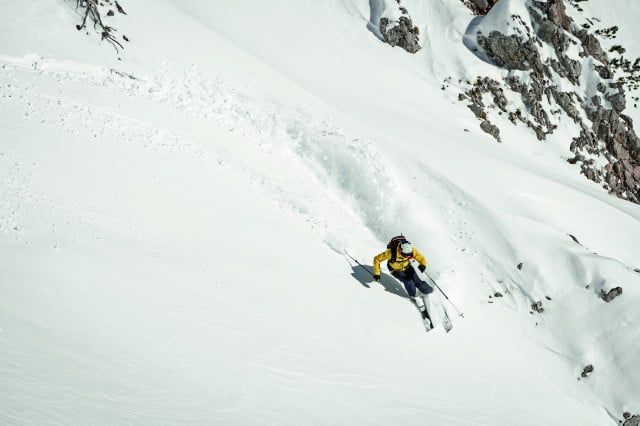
x=92, y=11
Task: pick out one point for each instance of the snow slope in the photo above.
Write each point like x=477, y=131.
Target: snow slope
x=172, y=227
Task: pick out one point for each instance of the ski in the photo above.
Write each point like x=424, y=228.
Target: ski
x=446, y=321
x=434, y=304
x=428, y=324
x=437, y=312
x=424, y=316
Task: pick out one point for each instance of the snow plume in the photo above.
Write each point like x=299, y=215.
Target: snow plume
x=391, y=22
x=173, y=224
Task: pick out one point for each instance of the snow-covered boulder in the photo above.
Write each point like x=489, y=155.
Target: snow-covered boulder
x=392, y=23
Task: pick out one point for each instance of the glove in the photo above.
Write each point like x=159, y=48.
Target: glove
x=377, y=278
x=422, y=268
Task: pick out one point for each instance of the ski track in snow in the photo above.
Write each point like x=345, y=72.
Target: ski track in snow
x=351, y=165
x=347, y=170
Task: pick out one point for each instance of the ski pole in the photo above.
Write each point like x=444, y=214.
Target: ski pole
x=359, y=264
x=444, y=294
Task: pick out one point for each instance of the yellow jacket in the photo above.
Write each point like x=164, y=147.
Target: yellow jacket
x=400, y=264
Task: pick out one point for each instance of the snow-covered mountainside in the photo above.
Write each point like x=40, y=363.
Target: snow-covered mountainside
x=177, y=201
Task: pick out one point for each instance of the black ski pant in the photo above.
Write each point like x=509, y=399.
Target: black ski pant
x=411, y=281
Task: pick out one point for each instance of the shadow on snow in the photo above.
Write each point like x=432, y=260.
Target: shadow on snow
x=389, y=283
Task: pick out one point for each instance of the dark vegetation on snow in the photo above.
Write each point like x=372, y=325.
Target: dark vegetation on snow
x=94, y=12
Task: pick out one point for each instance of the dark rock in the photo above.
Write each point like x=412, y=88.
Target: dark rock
x=404, y=34
x=612, y=294
x=462, y=97
x=618, y=101
x=574, y=239
x=120, y=9
x=586, y=371
x=519, y=266
x=566, y=103
x=632, y=420
x=480, y=7
x=591, y=45
x=572, y=69
x=604, y=72
x=556, y=12
x=608, y=134
x=478, y=111
x=553, y=34
x=628, y=120
x=537, y=306
x=547, y=297
x=510, y=52
x=575, y=159
x=491, y=129
x=497, y=294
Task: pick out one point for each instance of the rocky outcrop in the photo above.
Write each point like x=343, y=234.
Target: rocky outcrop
x=608, y=296
x=477, y=106
x=537, y=306
x=491, y=129
x=536, y=46
x=480, y=7
x=586, y=371
x=400, y=31
x=404, y=34
x=510, y=52
x=631, y=420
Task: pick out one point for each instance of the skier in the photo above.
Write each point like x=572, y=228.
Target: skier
x=399, y=254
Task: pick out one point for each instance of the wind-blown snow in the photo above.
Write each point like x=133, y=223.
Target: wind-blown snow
x=172, y=228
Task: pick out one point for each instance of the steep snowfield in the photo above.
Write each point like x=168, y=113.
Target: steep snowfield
x=172, y=228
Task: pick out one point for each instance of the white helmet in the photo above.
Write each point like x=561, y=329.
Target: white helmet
x=406, y=248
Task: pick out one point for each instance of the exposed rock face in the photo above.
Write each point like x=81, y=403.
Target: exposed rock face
x=603, y=130
x=510, y=52
x=556, y=12
x=404, y=34
x=611, y=294
x=482, y=86
x=537, y=306
x=586, y=371
x=491, y=129
x=632, y=420
x=480, y=7
x=591, y=46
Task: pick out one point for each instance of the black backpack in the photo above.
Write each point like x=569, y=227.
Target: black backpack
x=393, y=246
